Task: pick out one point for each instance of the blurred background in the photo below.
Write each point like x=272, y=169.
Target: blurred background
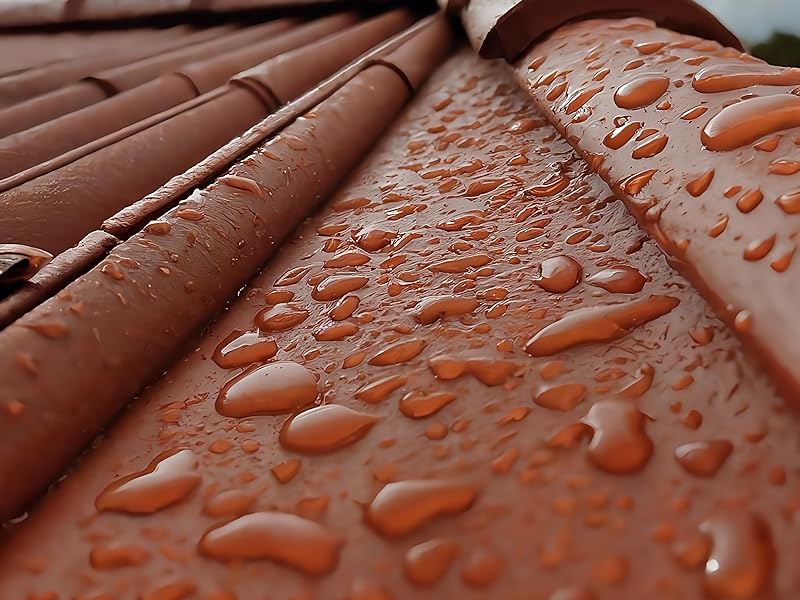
x=770, y=28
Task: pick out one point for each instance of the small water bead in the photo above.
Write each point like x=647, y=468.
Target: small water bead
x=273, y=388
x=240, y=349
x=619, y=442
x=703, y=459
x=299, y=543
x=403, y=507
x=168, y=479
x=325, y=428
x=425, y=564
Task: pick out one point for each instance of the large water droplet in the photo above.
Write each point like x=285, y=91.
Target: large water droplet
x=287, y=539
x=169, y=478
x=598, y=324
x=240, y=349
x=274, y=388
x=403, y=507
x=325, y=429
x=619, y=443
x=742, y=560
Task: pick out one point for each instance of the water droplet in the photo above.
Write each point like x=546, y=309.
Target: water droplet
x=621, y=279
x=461, y=265
x=641, y=92
x=379, y=390
x=697, y=187
x=273, y=388
x=783, y=167
x=789, y=203
x=419, y=405
x=336, y=286
x=437, y=307
x=758, y=249
x=743, y=123
x=551, y=186
x=158, y=228
x=426, y=563
x=598, y=324
x=742, y=560
x=403, y=507
x=397, y=354
x=749, y=200
x=346, y=258
x=373, y=240
x=559, y=274
x=729, y=76
x=292, y=276
x=242, y=183
x=577, y=99
x=284, y=472
x=482, y=568
x=325, y=428
x=693, y=113
x=240, y=349
x=561, y=397
x=703, y=459
x=636, y=183
x=640, y=385
x=619, y=443
x=228, y=503
x=334, y=332
x=169, y=478
x=743, y=321
x=651, y=147
x=622, y=135
x=287, y=539
x=116, y=555
x=719, y=227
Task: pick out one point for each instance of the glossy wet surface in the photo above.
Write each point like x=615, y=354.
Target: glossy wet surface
x=463, y=412
x=703, y=144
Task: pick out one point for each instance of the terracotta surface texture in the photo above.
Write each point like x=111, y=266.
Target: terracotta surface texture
x=469, y=375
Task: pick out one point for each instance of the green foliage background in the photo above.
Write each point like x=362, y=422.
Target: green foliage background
x=781, y=49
